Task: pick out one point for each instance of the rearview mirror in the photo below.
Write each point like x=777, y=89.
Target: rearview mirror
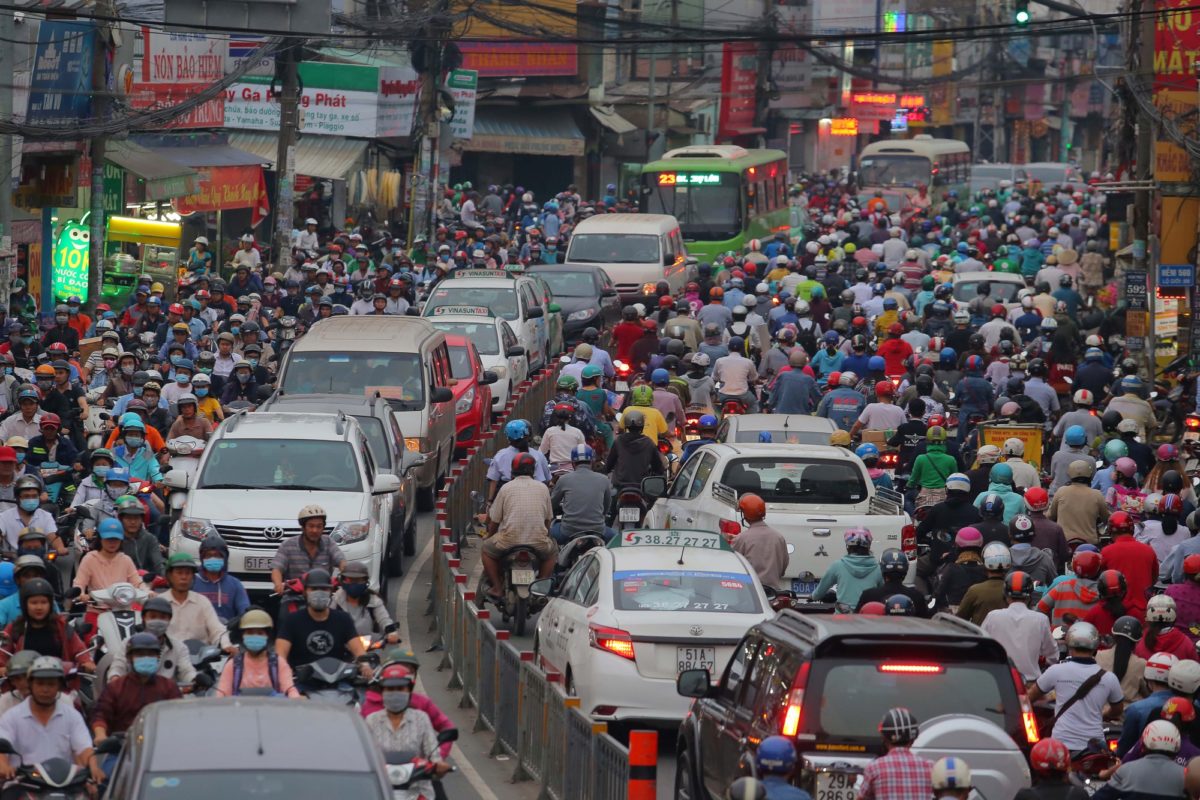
x=534, y=313
x=412, y=460
x=693, y=683
x=542, y=588
x=176, y=479
x=385, y=484
x=489, y=377
x=608, y=292
x=654, y=486
x=6, y=747
x=441, y=394
x=202, y=680
x=515, y=352
x=447, y=736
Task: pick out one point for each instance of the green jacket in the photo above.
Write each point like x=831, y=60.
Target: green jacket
x=931, y=468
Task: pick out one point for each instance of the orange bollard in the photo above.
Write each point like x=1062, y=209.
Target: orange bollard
x=643, y=765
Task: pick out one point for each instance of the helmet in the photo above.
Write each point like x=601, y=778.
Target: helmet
x=968, y=537
x=1037, y=499
x=996, y=556
x=1171, y=504
x=255, y=618
x=568, y=382
x=1080, y=468
x=185, y=560
x=1167, y=452
x=1049, y=756
x=1111, y=585
x=858, y=537
x=1021, y=528
x=893, y=562
x=311, y=511
x=1161, y=609
x=1086, y=564
x=935, y=434
x=395, y=676
x=142, y=641
x=746, y=789
x=776, y=756
x=950, y=772
x=974, y=364
x=883, y=388
x=1161, y=736
x=1083, y=636
x=992, y=506
x=1018, y=585
x=581, y=453
x=47, y=667
x=1114, y=449
x=848, y=379
x=1120, y=523
x=1128, y=627
x=867, y=450
x=876, y=364
x=707, y=421
x=1076, y=436
x=641, y=396
x=1179, y=711
x=701, y=360
x=1001, y=473
x=129, y=506
x=873, y=608
x=1126, y=466
x=634, y=422
x=660, y=377
x=752, y=507
x=899, y=726
x=1184, y=676
x=988, y=454
x=899, y=605
x=517, y=429
x=35, y=587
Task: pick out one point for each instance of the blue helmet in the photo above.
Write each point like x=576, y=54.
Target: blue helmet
x=517, y=429
x=962, y=247
x=899, y=605
x=866, y=450
x=776, y=756
x=1131, y=383
x=893, y=562
x=110, y=528
x=876, y=364
x=1093, y=354
x=764, y=437
x=706, y=421
x=660, y=377
x=1001, y=473
x=118, y=475
x=832, y=337
x=581, y=453
x=947, y=357
x=890, y=303
x=1075, y=436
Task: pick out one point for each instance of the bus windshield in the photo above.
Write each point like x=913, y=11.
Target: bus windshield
x=893, y=170
x=706, y=211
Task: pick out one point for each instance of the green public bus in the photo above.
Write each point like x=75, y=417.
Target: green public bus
x=722, y=195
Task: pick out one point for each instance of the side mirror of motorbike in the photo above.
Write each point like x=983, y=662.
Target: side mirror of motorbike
x=654, y=486
x=542, y=588
x=82, y=629
x=6, y=747
x=447, y=736
x=693, y=683
x=75, y=592
x=412, y=311
x=83, y=512
x=203, y=681
x=176, y=479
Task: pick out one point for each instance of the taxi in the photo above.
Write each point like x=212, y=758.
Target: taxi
x=472, y=393
x=628, y=618
x=498, y=347
x=518, y=299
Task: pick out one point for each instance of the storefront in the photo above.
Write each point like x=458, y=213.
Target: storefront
x=541, y=150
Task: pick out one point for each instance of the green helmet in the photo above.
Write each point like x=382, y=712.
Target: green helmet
x=641, y=396
x=928, y=283
x=182, y=560
x=1002, y=250
x=1114, y=449
x=128, y=504
x=592, y=371
x=568, y=382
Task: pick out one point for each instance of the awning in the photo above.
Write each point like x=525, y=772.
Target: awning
x=316, y=156
x=612, y=120
x=546, y=132
x=210, y=156
x=164, y=178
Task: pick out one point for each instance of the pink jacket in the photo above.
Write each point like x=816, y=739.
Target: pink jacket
x=373, y=702
x=1187, y=606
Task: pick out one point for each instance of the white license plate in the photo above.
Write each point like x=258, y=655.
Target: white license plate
x=835, y=785
x=629, y=514
x=257, y=563
x=523, y=577
x=622, y=386
x=696, y=658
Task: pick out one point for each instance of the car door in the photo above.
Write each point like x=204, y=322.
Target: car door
x=690, y=511
x=716, y=717
x=518, y=366
x=573, y=624
x=667, y=506
x=541, y=324
x=529, y=332
x=610, y=303
x=549, y=643
x=441, y=415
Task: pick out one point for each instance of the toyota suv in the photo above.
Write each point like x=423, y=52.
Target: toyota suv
x=826, y=681
x=258, y=470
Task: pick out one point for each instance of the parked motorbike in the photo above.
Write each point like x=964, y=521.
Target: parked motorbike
x=329, y=680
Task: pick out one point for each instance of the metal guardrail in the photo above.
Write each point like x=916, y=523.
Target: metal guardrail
x=525, y=709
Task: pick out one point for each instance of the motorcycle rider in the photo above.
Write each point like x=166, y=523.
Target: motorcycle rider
x=633, y=455
x=776, y=762
x=318, y=630
x=763, y=546
x=951, y=778
x=844, y=405
x=400, y=727
x=899, y=774
x=1079, y=508
x=736, y=375
x=226, y=593
x=1081, y=690
x=255, y=664
x=27, y=513
x=1051, y=763
x=989, y=594
x=854, y=572
x=1139, y=714
x=582, y=497
x=27, y=568
x=1135, y=560
x=123, y=698
x=312, y=549
x=99, y=569
x=518, y=433
x=43, y=629
x=706, y=429
x=1024, y=632
x=893, y=565
x=16, y=679
x=194, y=616
x=1155, y=774
x=367, y=608
x=139, y=544
x=190, y=422
x=1161, y=634
x=520, y=515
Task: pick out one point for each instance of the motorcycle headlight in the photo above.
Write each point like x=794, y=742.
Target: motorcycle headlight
x=465, y=402
x=351, y=532
x=196, y=529
x=586, y=313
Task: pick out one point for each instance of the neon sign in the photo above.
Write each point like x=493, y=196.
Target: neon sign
x=688, y=178
x=843, y=126
x=888, y=99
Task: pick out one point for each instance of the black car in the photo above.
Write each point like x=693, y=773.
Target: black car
x=827, y=680
x=587, y=296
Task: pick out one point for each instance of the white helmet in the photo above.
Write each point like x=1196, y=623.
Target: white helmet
x=1161, y=609
x=750, y=301
x=1158, y=667
x=1161, y=736
x=812, y=248
x=246, y=237
x=950, y=772
x=988, y=454
x=1083, y=397
x=762, y=288
x=1014, y=447
x=641, y=309
x=701, y=360
x=202, y=240
x=911, y=255
x=311, y=511
x=996, y=556
x=1184, y=676
x=310, y=221
x=1083, y=636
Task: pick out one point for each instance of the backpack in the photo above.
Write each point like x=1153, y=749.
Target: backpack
x=239, y=665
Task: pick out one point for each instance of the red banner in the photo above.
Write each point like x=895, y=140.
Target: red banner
x=739, y=82
x=164, y=95
x=228, y=187
x=500, y=60
x=1176, y=44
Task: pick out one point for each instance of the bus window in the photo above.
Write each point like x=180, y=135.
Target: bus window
x=751, y=199
x=706, y=211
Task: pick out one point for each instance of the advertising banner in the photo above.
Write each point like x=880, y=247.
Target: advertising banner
x=1176, y=45
x=844, y=16
x=462, y=84
x=501, y=59
x=176, y=66
x=60, y=85
x=228, y=187
x=739, y=79
x=399, y=92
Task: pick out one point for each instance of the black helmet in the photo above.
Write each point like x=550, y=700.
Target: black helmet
x=893, y=562
x=634, y=422
x=1128, y=627
x=676, y=348
x=1110, y=420
x=1171, y=482
x=159, y=604
x=629, y=313
x=899, y=726
x=1015, y=386
x=35, y=587
x=1037, y=367
x=976, y=342
x=736, y=344
x=590, y=335
x=1129, y=366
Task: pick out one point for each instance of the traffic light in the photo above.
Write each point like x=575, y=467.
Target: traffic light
x=1021, y=12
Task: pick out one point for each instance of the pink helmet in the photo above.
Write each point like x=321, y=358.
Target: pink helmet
x=968, y=537
x=1126, y=466
x=858, y=537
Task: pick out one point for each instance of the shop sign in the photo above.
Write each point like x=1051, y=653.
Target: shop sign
x=1135, y=290
x=228, y=187
x=844, y=126
x=462, y=84
x=1176, y=44
x=399, y=92
x=504, y=59
x=69, y=268
x=114, y=189
x=844, y=16
x=60, y=83
x=47, y=181
x=739, y=83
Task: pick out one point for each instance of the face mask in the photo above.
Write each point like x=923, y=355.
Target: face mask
x=61, y=319
x=213, y=564
x=127, y=369
x=236, y=329
x=8, y=370
x=30, y=504
x=253, y=362
x=74, y=311
x=101, y=471
x=156, y=626
x=114, y=492
x=109, y=363
x=319, y=599
x=243, y=377
x=45, y=384
x=145, y=665
x=206, y=370
x=201, y=392
x=20, y=458
x=176, y=359
x=137, y=391
x=27, y=340
x=396, y=702
x=255, y=642
x=182, y=380
x=134, y=441
x=356, y=589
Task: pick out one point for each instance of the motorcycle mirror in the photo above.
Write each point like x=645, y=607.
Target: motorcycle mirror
x=203, y=681
x=75, y=592
x=542, y=588
x=447, y=736
x=6, y=747
x=83, y=629
x=83, y=512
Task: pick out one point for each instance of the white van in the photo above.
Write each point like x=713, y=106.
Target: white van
x=636, y=250
x=403, y=359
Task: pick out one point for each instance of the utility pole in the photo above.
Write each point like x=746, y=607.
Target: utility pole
x=1143, y=66
x=7, y=66
x=101, y=105
x=287, y=72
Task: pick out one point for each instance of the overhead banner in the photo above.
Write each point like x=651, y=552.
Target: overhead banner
x=1176, y=44
x=502, y=60
x=462, y=84
x=739, y=83
x=493, y=22
x=844, y=16
x=228, y=187
x=175, y=67
x=60, y=85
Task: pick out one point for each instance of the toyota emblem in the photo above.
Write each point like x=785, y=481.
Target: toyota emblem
x=273, y=532
x=696, y=630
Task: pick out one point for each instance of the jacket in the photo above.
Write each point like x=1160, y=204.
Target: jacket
x=853, y=574
x=1073, y=596
x=956, y=578
x=1048, y=535
x=955, y=512
x=981, y=599
x=1173, y=641
x=1187, y=607
x=1013, y=503
x=1079, y=509
x=145, y=552
x=227, y=594
x=1152, y=777
x=1035, y=561
x=931, y=468
x=373, y=701
x=1138, y=563
x=633, y=457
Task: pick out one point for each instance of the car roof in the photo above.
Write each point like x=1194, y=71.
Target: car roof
x=667, y=558
x=279, y=402
x=250, y=733
x=472, y=318
x=277, y=424
x=575, y=267
x=994, y=277
x=363, y=329
x=772, y=422
x=819, y=627
x=790, y=451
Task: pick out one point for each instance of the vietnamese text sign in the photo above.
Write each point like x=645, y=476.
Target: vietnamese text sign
x=60, y=84
x=739, y=81
x=1135, y=290
x=1176, y=276
x=462, y=84
x=500, y=59
x=227, y=187
x=69, y=268
x=1176, y=44
x=399, y=89
x=176, y=66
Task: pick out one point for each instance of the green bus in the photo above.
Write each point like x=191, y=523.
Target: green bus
x=722, y=195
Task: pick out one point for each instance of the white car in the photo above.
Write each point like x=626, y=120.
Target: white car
x=813, y=494
x=498, y=347
x=628, y=618
x=780, y=428
x=1004, y=287
x=518, y=299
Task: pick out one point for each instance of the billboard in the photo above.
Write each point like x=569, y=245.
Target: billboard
x=174, y=67
x=739, y=80
x=60, y=85
x=497, y=20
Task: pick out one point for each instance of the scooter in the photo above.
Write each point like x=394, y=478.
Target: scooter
x=406, y=769
x=95, y=427
x=208, y=660
x=329, y=680
x=55, y=778
x=185, y=452
x=520, y=567
x=119, y=617
x=631, y=508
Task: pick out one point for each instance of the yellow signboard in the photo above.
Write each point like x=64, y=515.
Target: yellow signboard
x=1030, y=436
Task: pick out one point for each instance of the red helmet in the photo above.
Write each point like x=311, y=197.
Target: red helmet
x=1120, y=523
x=730, y=261
x=884, y=389
x=1191, y=565
x=1171, y=504
x=58, y=349
x=649, y=324
x=175, y=308
x=1086, y=564
x=1111, y=585
x=998, y=310
x=752, y=506
x=395, y=676
x=975, y=364
x=737, y=273
x=716, y=293
x=1167, y=452
x=895, y=329
x=859, y=322
x=666, y=302
x=692, y=287
x=749, y=269
x=874, y=608
x=1037, y=499
x=1049, y=755
x=50, y=420
x=937, y=420
x=1178, y=710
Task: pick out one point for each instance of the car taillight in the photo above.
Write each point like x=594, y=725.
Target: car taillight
x=1028, y=720
x=730, y=527
x=1192, y=422
x=911, y=669
x=908, y=541
x=613, y=640
x=622, y=368
x=793, y=712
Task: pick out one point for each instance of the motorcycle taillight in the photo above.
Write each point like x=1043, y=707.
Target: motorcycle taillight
x=522, y=557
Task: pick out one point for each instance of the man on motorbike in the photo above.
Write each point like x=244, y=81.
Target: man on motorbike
x=312, y=549
x=256, y=665
x=520, y=515
x=133, y=454
x=194, y=616
x=27, y=568
x=1132, y=406
x=226, y=593
x=50, y=446
x=706, y=429
x=123, y=698
x=366, y=607
x=25, y=422
x=776, y=761
x=1051, y=762
x=190, y=422
x=899, y=774
x=139, y=544
x=318, y=630
x=893, y=565
x=399, y=727
x=641, y=401
x=27, y=513
x=735, y=375
x=1155, y=774
x=633, y=455
x=519, y=432
x=763, y=546
x=843, y=405
x=1085, y=694
x=582, y=497
x=175, y=661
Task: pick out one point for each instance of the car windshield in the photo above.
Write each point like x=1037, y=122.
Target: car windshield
x=483, y=334
x=793, y=436
x=1000, y=291
x=779, y=480
x=399, y=377
x=1052, y=174
x=372, y=428
x=257, y=783
x=460, y=362
x=894, y=170
x=281, y=464
x=612, y=248
x=569, y=284
x=708, y=206
x=682, y=590
x=502, y=300
x=866, y=689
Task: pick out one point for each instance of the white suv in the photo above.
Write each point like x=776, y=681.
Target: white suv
x=259, y=469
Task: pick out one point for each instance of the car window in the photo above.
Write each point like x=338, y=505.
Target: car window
x=773, y=675
x=396, y=434
x=377, y=441
x=703, y=470
x=683, y=481
x=461, y=363
x=586, y=582
x=203, y=784
x=502, y=300
x=510, y=338
x=723, y=431
x=684, y=590
x=530, y=297
x=281, y=464
x=793, y=436
x=573, y=577
x=736, y=671
x=780, y=480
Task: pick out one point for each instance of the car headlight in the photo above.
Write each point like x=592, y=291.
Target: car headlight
x=584, y=313
x=197, y=529
x=465, y=402
x=350, y=532
x=648, y=288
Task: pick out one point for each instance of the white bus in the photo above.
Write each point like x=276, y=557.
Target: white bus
x=898, y=166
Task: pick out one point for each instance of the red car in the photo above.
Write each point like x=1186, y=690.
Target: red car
x=472, y=392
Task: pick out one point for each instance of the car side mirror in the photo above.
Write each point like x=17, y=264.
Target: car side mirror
x=608, y=292
x=535, y=313
x=542, y=588
x=693, y=683
x=385, y=484
x=176, y=479
x=515, y=352
x=442, y=395
x=489, y=377
x=112, y=744
x=654, y=486
x=412, y=460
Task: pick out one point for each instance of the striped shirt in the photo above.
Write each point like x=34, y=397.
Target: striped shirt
x=1073, y=596
x=899, y=775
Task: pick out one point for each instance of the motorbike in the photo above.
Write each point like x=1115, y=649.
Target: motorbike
x=729, y=407
x=631, y=508
x=691, y=428
x=185, y=452
x=118, y=617
x=292, y=599
x=405, y=768
x=1092, y=767
x=329, y=680
x=623, y=371
x=55, y=778
x=520, y=567
x=208, y=660
x=95, y=427
x=59, y=480
x=78, y=525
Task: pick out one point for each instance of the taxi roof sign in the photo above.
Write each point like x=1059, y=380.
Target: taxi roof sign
x=670, y=537
x=469, y=311
x=479, y=273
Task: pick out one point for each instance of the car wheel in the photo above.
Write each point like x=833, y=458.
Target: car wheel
x=427, y=496
x=684, y=788
x=409, y=545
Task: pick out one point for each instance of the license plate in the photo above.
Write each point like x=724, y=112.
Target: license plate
x=629, y=514
x=257, y=563
x=835, y=785
x=622, y=386
x=523, y=577
x=804, y=587
x=696, y=658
